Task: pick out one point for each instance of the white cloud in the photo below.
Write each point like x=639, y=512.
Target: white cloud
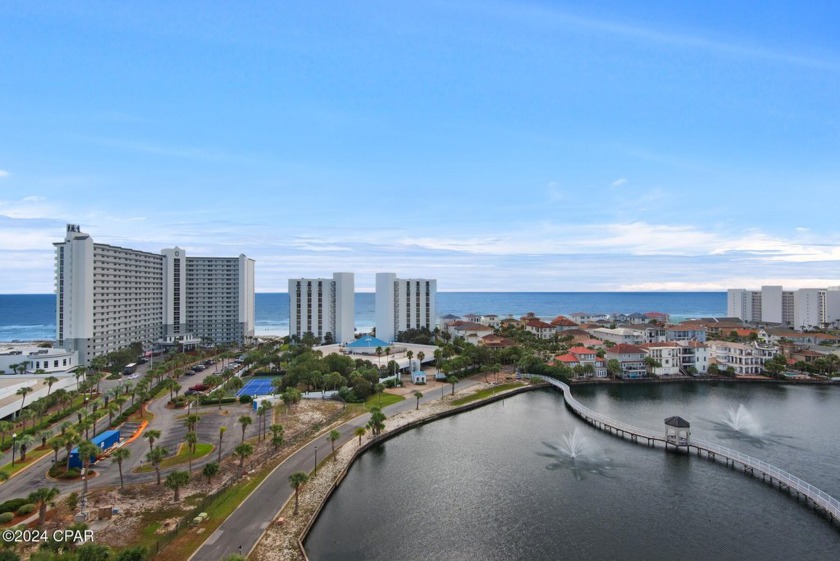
x=4, y=173
x=619, y=182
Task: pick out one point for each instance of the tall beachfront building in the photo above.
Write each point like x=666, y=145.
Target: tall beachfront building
x=323, y=306
x=108, y=297
x=806, y=307
x=403, y=304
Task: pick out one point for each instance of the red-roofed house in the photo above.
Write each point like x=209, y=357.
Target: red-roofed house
x=539, y=328
x=493, y=341
x=630, y=357
x=586, y=357
x=562, y=323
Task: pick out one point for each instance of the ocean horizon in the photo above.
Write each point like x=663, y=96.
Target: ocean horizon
x=31, y=317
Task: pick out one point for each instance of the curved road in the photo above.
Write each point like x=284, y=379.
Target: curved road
x=248, y=522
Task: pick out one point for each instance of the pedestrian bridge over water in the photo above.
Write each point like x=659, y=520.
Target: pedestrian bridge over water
x=819, y=500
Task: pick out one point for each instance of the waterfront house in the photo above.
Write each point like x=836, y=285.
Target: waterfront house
x=631, y=358
x=745, y=359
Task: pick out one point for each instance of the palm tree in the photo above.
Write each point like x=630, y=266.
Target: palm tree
x=25, y=416
x=190, y=421
x=176, y=480
x=151, y=436
x=120, y=455
x=360, y=432
x=409, y=355
x=49, y=381
x=87, y=450
x=221, y=434
x=24, y=441
x=23, y=392
x=5, y=427
x=45, y=435
x=418, y=395
x=43, y=496
x=276, y=435
x=420, y=356
x=297, y=480
x=210, y=471
x=155, y=457
x=452, y=380
x=70, y=440
x=57, y=444
x=378, y=357
x=243, y=451
x=377, y=421
x=379, y=389
x=191, y=439
x=112, y=408
x=333, y=436
x=245, y=420
x=262, y=410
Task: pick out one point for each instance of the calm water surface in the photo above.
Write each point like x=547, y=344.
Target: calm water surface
x=526, y=479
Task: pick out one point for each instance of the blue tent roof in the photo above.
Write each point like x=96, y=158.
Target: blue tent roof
x=368, y=341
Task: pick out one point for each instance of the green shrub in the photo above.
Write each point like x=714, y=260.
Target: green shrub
x=6, y=517
x=12, y=505
x=245, y=398
x=28, y=508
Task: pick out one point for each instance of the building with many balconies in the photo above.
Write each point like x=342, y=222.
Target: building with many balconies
x=108, y=297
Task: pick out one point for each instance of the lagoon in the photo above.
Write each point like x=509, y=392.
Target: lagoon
x=526, y=479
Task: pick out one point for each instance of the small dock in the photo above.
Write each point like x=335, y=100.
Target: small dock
x=813, y=497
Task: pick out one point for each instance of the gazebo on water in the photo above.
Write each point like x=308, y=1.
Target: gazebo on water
x=677, y=431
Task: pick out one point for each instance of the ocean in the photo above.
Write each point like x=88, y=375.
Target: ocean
x=28, y=317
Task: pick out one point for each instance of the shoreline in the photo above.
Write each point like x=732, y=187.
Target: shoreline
x=283, y=539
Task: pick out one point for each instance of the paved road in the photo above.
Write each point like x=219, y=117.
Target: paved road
x=246, y=525
x=172, y=434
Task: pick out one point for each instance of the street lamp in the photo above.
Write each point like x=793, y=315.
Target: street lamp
x=14, y=447
x=315, y=473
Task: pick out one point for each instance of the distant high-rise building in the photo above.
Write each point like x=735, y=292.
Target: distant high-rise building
x=108, y=297
x=322, y=307
x=403, y=304
x=806, y=307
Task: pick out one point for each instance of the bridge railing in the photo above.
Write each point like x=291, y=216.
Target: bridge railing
x=817, y=495
x=582, y=409
x=788, y=479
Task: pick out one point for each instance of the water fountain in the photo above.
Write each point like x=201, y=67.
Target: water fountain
x=741, y=420
x=578, y=454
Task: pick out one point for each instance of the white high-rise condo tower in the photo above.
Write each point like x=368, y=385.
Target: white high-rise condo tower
x=403, y=304
x=109, y=297
x=323, y=307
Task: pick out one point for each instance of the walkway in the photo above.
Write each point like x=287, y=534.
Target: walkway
x=819, y=500
x=248, y=522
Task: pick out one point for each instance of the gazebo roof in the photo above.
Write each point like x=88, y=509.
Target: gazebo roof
x=677, y=422
x=366, y=342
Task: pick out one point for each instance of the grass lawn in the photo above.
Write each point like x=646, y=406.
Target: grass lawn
x=182, y=457
x=32, y=456
x=387, y=399
x=483, y=394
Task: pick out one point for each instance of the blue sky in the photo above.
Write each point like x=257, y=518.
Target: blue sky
x=491, y=145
